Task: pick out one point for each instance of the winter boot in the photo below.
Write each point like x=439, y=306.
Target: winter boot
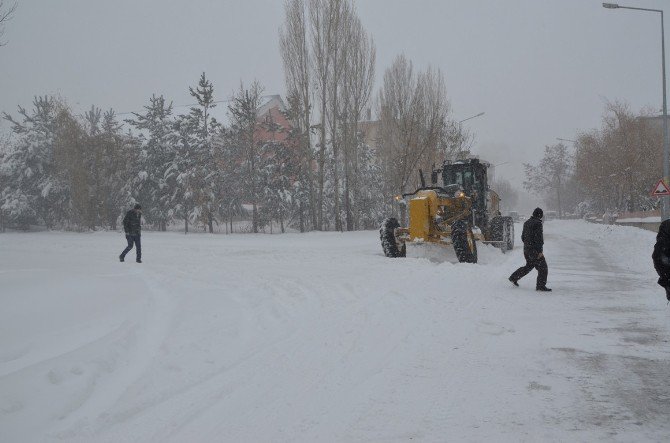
x=514, y=282
x=140, y=261
x=543, y=289
x=121, y=258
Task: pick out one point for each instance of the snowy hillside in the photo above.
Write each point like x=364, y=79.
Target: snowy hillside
x=319, y=337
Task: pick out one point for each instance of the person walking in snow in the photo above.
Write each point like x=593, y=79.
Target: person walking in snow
x=533, y=242
x=661, y=257
x=132, y=226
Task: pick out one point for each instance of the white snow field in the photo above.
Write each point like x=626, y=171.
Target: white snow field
x=320, y=338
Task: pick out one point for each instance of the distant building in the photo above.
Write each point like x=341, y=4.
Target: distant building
x=656, y=121
x=273, y=126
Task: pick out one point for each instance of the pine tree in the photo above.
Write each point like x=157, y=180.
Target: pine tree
x=150, y=183
x=206, y=173
x=244, y=115
x=36, y=192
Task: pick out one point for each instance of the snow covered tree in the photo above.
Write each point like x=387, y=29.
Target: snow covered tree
x=243, y=110
x=278, y=167
x=205, y=173
x=35, y=190
x=181, y=175
x=117, y=156
x=369, y=204
x=149, y=181
x=4, y=180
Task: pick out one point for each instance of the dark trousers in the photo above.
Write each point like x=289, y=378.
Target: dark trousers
x=533, y=261
x=133, y=239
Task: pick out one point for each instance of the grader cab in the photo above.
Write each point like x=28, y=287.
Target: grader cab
x=456, y=213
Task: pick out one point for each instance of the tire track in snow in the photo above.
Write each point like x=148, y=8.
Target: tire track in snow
x=141, y=343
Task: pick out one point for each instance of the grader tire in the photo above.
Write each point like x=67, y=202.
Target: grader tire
x=388, y=238
x=464, y=242
x=497, y=230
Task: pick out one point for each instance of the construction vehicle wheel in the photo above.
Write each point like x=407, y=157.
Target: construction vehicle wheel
x=496, y=230
x=464, y=242
x=388, y=238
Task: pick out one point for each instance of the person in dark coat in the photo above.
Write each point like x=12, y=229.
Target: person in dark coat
x=132, y=226
x=533, y=242
x=661, y=257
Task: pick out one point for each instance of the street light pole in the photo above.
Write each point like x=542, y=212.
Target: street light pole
x=665, y=200
x=460, y=130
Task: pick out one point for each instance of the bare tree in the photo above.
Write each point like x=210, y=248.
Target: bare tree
x=617, y=164
x=6, y=14
x=295, y=54
x=323, y=24
x=341, y=18
x=332, y=58
x=551, y=174
x=357, y=81
x=413, y=113
x=509, y=196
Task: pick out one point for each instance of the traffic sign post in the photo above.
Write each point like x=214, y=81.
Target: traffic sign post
x=661, y=189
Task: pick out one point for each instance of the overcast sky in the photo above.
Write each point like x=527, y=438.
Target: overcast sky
x=539, y=69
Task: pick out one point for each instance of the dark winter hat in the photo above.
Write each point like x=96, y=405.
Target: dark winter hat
x=138, y=206
x=537, y=213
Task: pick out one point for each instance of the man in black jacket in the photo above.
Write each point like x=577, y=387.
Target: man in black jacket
x=533, y=241
x=133, y=228
x=661, y=257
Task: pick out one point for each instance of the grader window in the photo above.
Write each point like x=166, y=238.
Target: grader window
x=468, y=177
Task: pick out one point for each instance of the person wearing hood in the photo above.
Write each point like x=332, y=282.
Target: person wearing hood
x=533, y=242
x=661, y=257
x=132, y=226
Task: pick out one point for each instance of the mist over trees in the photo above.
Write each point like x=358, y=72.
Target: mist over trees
x=66, y=171
x=611, y=168
x=618, y=164
x=509, y=196
x=551, y=174
x=339, y=155
x=329, y=66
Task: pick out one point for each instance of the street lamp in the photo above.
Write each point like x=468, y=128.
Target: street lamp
x=460, y=129
x=470, y=118
x=665, y=202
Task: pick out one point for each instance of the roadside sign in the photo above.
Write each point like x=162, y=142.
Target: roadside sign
x=660, y=189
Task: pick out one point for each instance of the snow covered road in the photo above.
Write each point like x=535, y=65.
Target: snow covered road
x=318, y=337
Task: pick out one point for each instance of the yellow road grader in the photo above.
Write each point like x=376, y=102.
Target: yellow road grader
x=458, y=213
